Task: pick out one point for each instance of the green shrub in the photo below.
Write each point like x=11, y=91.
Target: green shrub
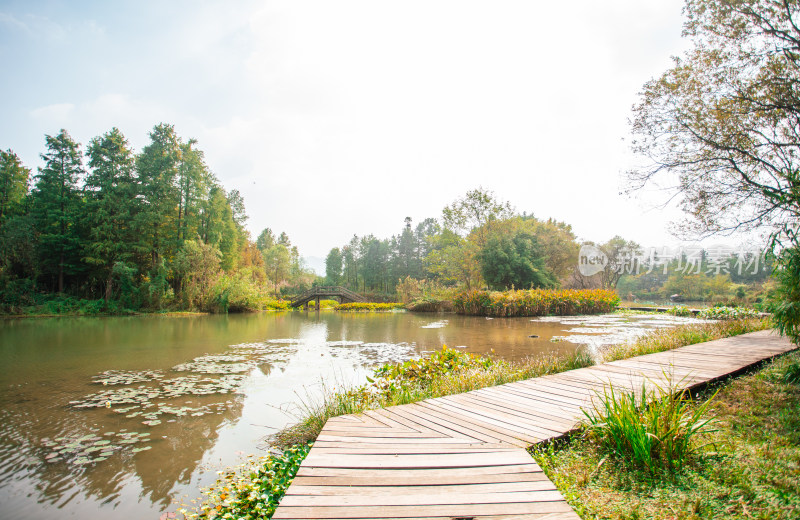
x=681, y=310
x=786, y=308
x=727, y=313
x=656, y=430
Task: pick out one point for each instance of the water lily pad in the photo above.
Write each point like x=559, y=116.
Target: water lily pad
x=143, y=448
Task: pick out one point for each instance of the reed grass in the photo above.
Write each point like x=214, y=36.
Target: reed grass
x=667, y=339
x=368, y=307
x=536, y=302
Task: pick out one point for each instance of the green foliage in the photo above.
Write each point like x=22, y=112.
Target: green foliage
x=368, y=307
x=425, y=370
x=727, y=313
x=655, y=428
x=253, y=490
x=681, y=310
x=333, y=267
x=536, y=302
x=13, y=184
x=786, y=310
x=56, y=201
x=515, y=261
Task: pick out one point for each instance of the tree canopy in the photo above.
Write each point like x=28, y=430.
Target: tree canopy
x=721, y=126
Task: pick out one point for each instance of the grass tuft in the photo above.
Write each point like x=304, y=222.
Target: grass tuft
x=656, y=428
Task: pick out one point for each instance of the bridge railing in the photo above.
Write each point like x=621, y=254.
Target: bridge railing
x=327, y=290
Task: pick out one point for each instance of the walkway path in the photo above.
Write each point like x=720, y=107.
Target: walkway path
x=463, y=456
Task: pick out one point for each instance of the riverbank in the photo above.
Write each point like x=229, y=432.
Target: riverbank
x=749, y=467
x=445, y=373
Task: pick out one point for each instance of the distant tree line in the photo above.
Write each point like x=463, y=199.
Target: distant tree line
x=479, y=241
x=145, y=229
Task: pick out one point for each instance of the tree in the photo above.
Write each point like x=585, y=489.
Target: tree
x=721, y=126
x=516, y=261
x=55, y=207
x=620, y=255
x=473, y=212
x=110, y=201
x=194, y=180
x=278, y=262
x=265, y=240
x=197, y=268
x=13, y=183
x=333, y=267
x=158, y=166
x=722, y=123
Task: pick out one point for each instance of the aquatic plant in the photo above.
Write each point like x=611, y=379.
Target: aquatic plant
x=252, y=490
x=536, y=302
x=681, y=310
x=727, y=313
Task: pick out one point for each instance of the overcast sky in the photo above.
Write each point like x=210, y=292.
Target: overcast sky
x=340, y=117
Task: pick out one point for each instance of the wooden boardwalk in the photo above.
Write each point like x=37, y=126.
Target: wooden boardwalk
x=463, y=456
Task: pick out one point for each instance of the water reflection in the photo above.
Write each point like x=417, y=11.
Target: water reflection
x=118, y=417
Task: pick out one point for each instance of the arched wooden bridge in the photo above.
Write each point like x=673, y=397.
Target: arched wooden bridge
x=327, y=292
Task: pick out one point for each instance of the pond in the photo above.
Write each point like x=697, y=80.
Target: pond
x=125, y=417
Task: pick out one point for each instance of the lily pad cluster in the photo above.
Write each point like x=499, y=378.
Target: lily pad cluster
x=126, y=377
x=92, y=448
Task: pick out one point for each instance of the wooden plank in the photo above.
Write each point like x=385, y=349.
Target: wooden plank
x=551, y=422
x=497, y=487
x=402, y=499
x=415, y=511
x=451, y=420
x=532, y=424
x=489, y=423
x=418, y=414
x=415, y=461
x=389, y=480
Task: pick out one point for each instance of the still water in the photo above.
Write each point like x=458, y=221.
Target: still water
x=120, y=418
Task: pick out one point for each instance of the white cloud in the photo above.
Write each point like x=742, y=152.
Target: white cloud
x=55, y=114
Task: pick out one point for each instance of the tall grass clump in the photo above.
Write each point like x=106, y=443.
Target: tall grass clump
x=667, y=339
x=536, y=302
x=445, y=372
x=657, y=429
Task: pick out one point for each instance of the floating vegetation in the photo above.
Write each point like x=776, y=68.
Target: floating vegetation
x=343, y=343
x=125, y=377
x=209, y=367
x=92, y=448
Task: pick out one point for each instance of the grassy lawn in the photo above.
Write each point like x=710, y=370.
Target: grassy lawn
x=748, y=468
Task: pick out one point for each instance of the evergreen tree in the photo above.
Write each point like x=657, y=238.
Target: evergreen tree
x=110, y=204
x=333, y=267
x=158, y=166
x=13, y=183
x=56, y=206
